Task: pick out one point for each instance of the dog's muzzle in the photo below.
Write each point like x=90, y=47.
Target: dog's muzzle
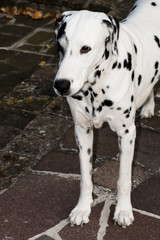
x=62, y=86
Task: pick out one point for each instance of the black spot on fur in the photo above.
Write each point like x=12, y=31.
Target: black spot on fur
x=139, y=79
x=157, y=40
x=128, y=62
x=127, y=116
x=154, y=4
x=132, y=98
x=99, y=109
x=131, y=142
x=106, y=52
x=93, y=83
x=60, y=49
x=85, y=93
x=78, y=97
x=91, y=98
x=93, y=111
x=95, y=94
x=152, y=80
x=103, y=91
x=126, y=111
x=119, y=108
x=132, y=77
x=133, y=8
x=88, y=131
x=97, y=73
x=61, y=31
x=90, y=89
x=135, y=48
x=86, y=109
x=97, y=67
x=107, y=103
x=58, y=22
x=126, y=131
x=156, y=65
x=156, y=72
x=114, y=65
x=119, y=65
x=124, y=125
x=89, y=151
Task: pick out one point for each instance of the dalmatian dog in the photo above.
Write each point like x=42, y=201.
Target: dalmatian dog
x=107, y=71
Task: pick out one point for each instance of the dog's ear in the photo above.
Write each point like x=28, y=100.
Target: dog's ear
x=60, y=23
x=113, y=27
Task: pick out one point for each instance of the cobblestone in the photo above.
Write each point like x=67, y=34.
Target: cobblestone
x=39, y=166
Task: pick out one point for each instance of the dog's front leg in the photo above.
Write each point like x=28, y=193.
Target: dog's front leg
x=123, y=213
x=84, y=138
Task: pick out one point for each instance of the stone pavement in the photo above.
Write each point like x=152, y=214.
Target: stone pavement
x=39, y=167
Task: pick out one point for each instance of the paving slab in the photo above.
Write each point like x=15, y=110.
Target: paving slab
x=27, y=212
x=146, y=195
x=147, y=151
x=107, y=174
x=9, y=40
x=20, y=31
x=62, y=162
x=144, y=227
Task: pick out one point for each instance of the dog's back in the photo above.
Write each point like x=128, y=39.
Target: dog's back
x=143, y=27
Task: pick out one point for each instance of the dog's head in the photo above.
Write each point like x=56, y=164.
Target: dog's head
x=84, y=40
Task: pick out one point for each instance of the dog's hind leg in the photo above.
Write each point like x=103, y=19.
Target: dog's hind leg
x=148, y=107
x=84, y=138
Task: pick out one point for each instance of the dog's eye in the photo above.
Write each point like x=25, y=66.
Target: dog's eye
x=85, y=49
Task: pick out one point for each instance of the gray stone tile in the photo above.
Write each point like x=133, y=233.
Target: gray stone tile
x=146, y=195
x=147, y=151
x=7, y=41
x=107, y=174
x=40, y=37
x=16, y=30
x=144, y=227
x=35, y=204
x=63, y=162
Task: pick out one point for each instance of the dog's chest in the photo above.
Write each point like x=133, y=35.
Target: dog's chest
x=96, y=105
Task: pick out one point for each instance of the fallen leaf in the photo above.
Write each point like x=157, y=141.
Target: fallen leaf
x=14, y=10
x=48, y=46
x=42, y=63
x=27, y=11
x=48, y=14
x=3, y=9
x=37, y=15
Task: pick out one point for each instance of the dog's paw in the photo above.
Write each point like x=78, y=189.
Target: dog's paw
x=79, y=215
x=147, y=110
x=124, y=217
x=146, y=113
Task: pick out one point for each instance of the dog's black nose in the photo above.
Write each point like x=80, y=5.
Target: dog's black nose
x=62, y=86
